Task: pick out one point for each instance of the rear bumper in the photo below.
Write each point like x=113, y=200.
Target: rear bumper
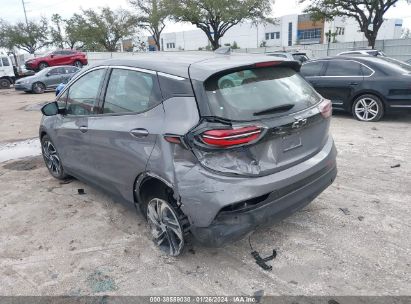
x=231, y=226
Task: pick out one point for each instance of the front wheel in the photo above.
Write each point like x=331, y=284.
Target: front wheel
x=5, y=83
x=78, y=64
x=368, y=108
x=38, y=88
x=52, y=158
x=43, y=65
x=168, y=226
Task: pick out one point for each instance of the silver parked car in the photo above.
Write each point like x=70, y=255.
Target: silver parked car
x=46, y=79
x=198, y=159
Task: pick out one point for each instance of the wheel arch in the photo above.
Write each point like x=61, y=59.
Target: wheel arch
x=147, y=183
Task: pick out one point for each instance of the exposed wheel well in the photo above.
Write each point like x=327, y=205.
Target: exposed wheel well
x=150, y=186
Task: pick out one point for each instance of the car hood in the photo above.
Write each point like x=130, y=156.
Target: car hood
x=28, y=78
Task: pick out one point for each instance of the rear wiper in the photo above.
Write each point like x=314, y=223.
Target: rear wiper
x=282, y=108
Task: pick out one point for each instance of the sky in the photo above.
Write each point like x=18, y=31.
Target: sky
x=12, y=10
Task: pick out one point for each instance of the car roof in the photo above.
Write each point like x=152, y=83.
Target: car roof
x=194, y=65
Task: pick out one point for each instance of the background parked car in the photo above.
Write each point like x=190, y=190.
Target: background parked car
x=367, y=86
x=57, y=58
x=46, y=79
x=299, y=56
x=362, y=52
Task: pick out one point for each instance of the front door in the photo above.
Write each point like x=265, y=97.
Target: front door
x=123, y=136
x=73, y=139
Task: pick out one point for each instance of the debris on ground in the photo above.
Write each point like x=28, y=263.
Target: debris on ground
x=345, y=211
x=66, y=181
x=396, y=166
x=360, y=218
x=81, y=191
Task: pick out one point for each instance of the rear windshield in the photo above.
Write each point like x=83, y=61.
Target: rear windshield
x=393, y=64
x=257, y=93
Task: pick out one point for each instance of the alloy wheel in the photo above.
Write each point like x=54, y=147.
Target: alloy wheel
x=38, y=88
x=366, y=109
x=78, y=64
x=165, y=227
x=51, y=158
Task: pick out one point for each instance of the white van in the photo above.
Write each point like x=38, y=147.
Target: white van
x=6, y=71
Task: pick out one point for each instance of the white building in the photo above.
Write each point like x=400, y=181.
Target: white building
x=347, y=30
x=288, y=30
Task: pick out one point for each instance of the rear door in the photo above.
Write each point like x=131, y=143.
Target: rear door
x=123, y=136
x=340, y=80
x=312, y=72
x=271, y=121
x=81, y=101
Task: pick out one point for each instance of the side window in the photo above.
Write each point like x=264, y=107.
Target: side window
x=343, y=68
x=5, y=61
x=61, y=101
x=56, y=71
x=366, y=71
x=131, y=91
x=312, y=68
x=71, y=70
x=83, y=94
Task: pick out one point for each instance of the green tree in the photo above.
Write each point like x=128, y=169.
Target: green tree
x=152, y=16
x=369, y=14
x=216, y=17
x=105, y=28
x=29, y=38
x=56, y=31
x=76, y=30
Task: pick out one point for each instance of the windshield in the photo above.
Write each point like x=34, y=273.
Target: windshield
x=253, y=93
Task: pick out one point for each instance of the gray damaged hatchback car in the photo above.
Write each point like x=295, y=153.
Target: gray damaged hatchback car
x=197, y=158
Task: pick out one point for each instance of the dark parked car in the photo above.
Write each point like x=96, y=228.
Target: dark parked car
x=56, y=58
x=46, y=79
x=197, y=159
x=366, y=86
x=299, y=56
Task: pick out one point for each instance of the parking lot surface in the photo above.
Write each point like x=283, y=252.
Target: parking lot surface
x=354, y=239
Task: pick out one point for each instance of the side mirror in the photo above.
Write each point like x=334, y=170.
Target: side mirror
x=52, y=55
x=48, y=74
x=50, y=109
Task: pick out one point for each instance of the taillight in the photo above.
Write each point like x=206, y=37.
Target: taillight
x=326, y=108
x=231, y=137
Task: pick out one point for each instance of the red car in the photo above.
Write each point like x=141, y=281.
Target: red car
x=60, y=57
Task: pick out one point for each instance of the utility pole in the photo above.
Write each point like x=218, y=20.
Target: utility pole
x=25, y=14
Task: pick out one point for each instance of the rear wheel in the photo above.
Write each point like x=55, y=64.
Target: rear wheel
x=78, y=64
x=38, y=88
x=52, y=158
x=43, y=65
x=5, y=83
x=167, y=226
x=368, y=108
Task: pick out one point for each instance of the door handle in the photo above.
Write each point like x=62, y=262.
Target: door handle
x=139, y=133
x=353, y=83
x=83, y=129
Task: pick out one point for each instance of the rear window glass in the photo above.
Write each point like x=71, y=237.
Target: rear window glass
x=242, y=95
x=396, y=65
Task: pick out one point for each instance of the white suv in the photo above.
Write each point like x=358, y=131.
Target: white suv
x=6, y=71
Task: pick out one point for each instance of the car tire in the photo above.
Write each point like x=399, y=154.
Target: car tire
x=368, y=108
x=38, y=88
x=169, y=227
x=52, y=158
x=78, y=64
x=225, y=84
x=43, y=65
x=5, y=83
